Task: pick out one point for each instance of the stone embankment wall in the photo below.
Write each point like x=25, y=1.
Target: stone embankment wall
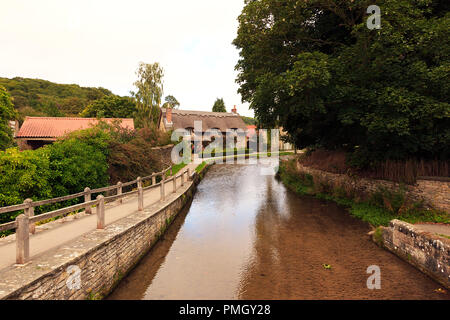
x=433, y=193
x=164, y=154
x=426, y=251
x=102, y=257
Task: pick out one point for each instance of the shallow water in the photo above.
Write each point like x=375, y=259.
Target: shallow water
x=245, y=236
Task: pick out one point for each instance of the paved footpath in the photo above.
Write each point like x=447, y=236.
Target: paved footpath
x=60, y=233
x=439, y=229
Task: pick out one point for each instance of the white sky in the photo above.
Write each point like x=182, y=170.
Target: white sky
x=99, y=43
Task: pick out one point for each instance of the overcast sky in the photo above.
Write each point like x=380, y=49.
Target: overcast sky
x=99, y=43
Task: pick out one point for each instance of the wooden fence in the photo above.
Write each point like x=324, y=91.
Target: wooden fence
x=25, y=223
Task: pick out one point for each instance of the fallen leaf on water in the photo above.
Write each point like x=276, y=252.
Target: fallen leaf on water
x=440, y=290
x=326, y=266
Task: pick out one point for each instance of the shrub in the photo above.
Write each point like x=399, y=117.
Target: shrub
x=393, y=201
x=23, y=175
x=92, y=158
x=76, y=164
x=134, y=157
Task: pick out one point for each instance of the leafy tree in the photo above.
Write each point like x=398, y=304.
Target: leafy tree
x=333, y=82
x=171, y=102
x=111, y=107
x=7, y=113
x=149, y=94
x=219, y=106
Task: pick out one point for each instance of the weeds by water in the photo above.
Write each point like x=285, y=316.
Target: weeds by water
x=380, y=209
x=177, y=167
x=200, y=167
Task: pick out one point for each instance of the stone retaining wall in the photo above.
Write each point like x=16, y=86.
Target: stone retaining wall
x=102, y=256
x=164, y=154
x=434, y=194
x=429, y=253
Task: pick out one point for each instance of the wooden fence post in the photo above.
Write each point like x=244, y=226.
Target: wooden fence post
x=139, y=182
x=101, y=212
x=189, y=174
x=87, y=198
x=153, y=179
x=140, y=199
x=119, y=190
x=22, y=239
x=29, y=212
x=174, y=183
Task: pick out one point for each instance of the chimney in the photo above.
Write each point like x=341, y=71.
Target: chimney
x=169, y=115
x=234, y=110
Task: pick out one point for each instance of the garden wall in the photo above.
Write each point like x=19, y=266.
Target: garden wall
x=164, y=154
x=433, y=193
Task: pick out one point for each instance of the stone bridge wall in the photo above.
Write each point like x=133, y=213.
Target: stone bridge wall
x=427, y=252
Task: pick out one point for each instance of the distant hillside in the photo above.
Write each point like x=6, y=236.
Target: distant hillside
x=35, y=97
x=248, y=120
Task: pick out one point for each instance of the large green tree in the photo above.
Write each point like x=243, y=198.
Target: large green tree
x=149, y=94
x=219, y=106
x=7, y=113
x=111, y=107
x=333, y=82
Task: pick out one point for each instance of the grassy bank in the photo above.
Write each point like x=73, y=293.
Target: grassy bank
x=177, y=167
x=381, y=208
x=200, y=167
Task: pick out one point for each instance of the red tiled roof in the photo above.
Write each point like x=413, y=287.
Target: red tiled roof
x=251, y=130
x=50, y=127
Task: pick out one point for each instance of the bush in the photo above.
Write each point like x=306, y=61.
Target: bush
x=23, y=175
x=59, y=169
x=76, y=164
x=131, y=155
x=92, y=158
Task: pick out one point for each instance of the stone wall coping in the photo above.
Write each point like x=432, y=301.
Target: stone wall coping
x=426, y=251
x=406, y=228
x=163, y=147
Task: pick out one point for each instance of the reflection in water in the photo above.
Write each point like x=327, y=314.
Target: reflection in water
x=246, y=237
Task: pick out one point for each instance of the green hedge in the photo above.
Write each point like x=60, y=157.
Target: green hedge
x=63, y=168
